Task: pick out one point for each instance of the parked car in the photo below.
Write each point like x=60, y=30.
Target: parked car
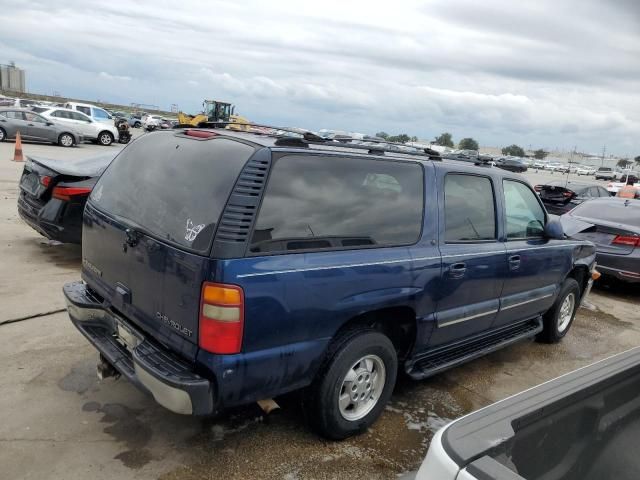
x=259, y=265
x=585, y=171
x=613, y=225
x=539, y=164
x=510, y=164
x=33, y=126
x=151, y=122
x=135, y=121
x=96, y=114
x=614, y=187
x=604, y=173
x=559, y=196
x=53, y=194
x=577, y=426
x=99, y=132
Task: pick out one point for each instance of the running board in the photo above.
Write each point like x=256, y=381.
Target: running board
x=443, y=358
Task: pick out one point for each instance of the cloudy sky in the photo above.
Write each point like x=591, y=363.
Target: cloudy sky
x=545, y=73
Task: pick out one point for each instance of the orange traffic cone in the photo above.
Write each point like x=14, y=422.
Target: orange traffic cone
x=17, y=156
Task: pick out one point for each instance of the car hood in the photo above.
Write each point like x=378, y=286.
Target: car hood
x=84, y=167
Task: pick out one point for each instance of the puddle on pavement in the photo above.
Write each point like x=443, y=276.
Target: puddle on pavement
x=81, y=378
x=247, y=444
x=125, y=427
x=61, y=254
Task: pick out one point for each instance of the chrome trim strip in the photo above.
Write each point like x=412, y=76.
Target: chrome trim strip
x=527, y=301
x=331, y=267
x=464, y=319
x=389, y=262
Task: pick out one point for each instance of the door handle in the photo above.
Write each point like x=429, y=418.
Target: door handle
x=457, y=270
x=29, y=124
x=514, y=262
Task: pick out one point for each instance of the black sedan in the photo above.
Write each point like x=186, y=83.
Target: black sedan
x=561, y=196
x=613, y=224
x=511, y=164
x=53, y=194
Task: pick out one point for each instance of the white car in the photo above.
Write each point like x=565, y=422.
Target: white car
x=151, y=122
x=585, y=171
x=103, y=133
x=96, y=113
x=614, y=187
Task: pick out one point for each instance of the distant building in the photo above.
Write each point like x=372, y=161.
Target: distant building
x=12, y=78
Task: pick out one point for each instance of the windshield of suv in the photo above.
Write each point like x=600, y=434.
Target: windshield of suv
x=172, y=186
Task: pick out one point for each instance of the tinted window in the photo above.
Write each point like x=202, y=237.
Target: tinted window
x=314, y=202
x=469, y=209
x=14, y=115
x=525, y=216
x=604, y=192
x=79, y=116
x=100, y=114
x=174, y=187
x=85, y=110
x=34, y=117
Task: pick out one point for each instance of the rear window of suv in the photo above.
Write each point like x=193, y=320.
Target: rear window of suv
x=315, y=202
x=172, y=187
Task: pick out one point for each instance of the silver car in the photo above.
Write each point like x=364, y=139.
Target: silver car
x=33, y=126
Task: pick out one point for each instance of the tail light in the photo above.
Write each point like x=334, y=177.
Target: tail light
x=45, y=180
x=568, y=194
x=628, y=240
x=67, y=193
x=221, y=318
x=538, y=188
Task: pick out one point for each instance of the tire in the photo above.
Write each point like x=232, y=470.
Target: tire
x=137, y=125
x=558, y=319
x=370, y=359
x=105, y=138
x=3, y=135
x=66, y=140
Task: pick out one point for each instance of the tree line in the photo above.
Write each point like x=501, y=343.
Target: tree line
x=446, y=140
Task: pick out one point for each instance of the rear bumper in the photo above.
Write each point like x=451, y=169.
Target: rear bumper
x=623, y=267
x=41, y=219
x=149, y=366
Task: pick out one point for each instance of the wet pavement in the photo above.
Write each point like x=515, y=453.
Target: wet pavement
x=57, y=420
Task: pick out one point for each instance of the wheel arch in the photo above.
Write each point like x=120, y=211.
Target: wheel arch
x=399, y=323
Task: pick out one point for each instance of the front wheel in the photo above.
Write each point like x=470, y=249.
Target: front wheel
x=3, y=135
x=559, y=317
x=353, y=386
x=66, y=140
x=137, y=125
x=105, y=138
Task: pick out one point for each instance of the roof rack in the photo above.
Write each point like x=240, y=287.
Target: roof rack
x=307, y=138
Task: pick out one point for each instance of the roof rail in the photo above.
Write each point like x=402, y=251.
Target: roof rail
x=306, y=138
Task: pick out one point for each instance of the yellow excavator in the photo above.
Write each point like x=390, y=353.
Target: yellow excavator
x=215, y=111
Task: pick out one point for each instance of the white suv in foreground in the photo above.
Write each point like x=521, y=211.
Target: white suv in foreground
x=99, y=132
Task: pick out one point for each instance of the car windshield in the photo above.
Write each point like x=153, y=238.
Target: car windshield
x=624, y=212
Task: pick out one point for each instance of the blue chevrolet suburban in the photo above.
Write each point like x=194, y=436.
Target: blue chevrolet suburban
x=224, y=267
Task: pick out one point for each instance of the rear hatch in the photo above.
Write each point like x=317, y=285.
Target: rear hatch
x=148, y=228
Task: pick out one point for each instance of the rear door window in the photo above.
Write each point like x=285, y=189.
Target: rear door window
x=525, y=217
x=323, y=202
x=171, y=186
x=85, y=110
x=469, y=208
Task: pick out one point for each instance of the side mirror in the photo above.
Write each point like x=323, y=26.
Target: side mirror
x=553, y=229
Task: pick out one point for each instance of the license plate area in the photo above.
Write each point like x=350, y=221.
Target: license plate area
x=30, y=183
x=126, y=336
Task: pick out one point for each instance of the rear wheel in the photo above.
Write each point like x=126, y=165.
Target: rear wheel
x=353, y=386
x=137, y=125
x=560, y=316
x=66, y=140
x=3, y=135
x=105, y=138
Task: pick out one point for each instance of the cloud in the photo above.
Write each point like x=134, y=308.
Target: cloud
x=108, y=76
x=543, y=73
